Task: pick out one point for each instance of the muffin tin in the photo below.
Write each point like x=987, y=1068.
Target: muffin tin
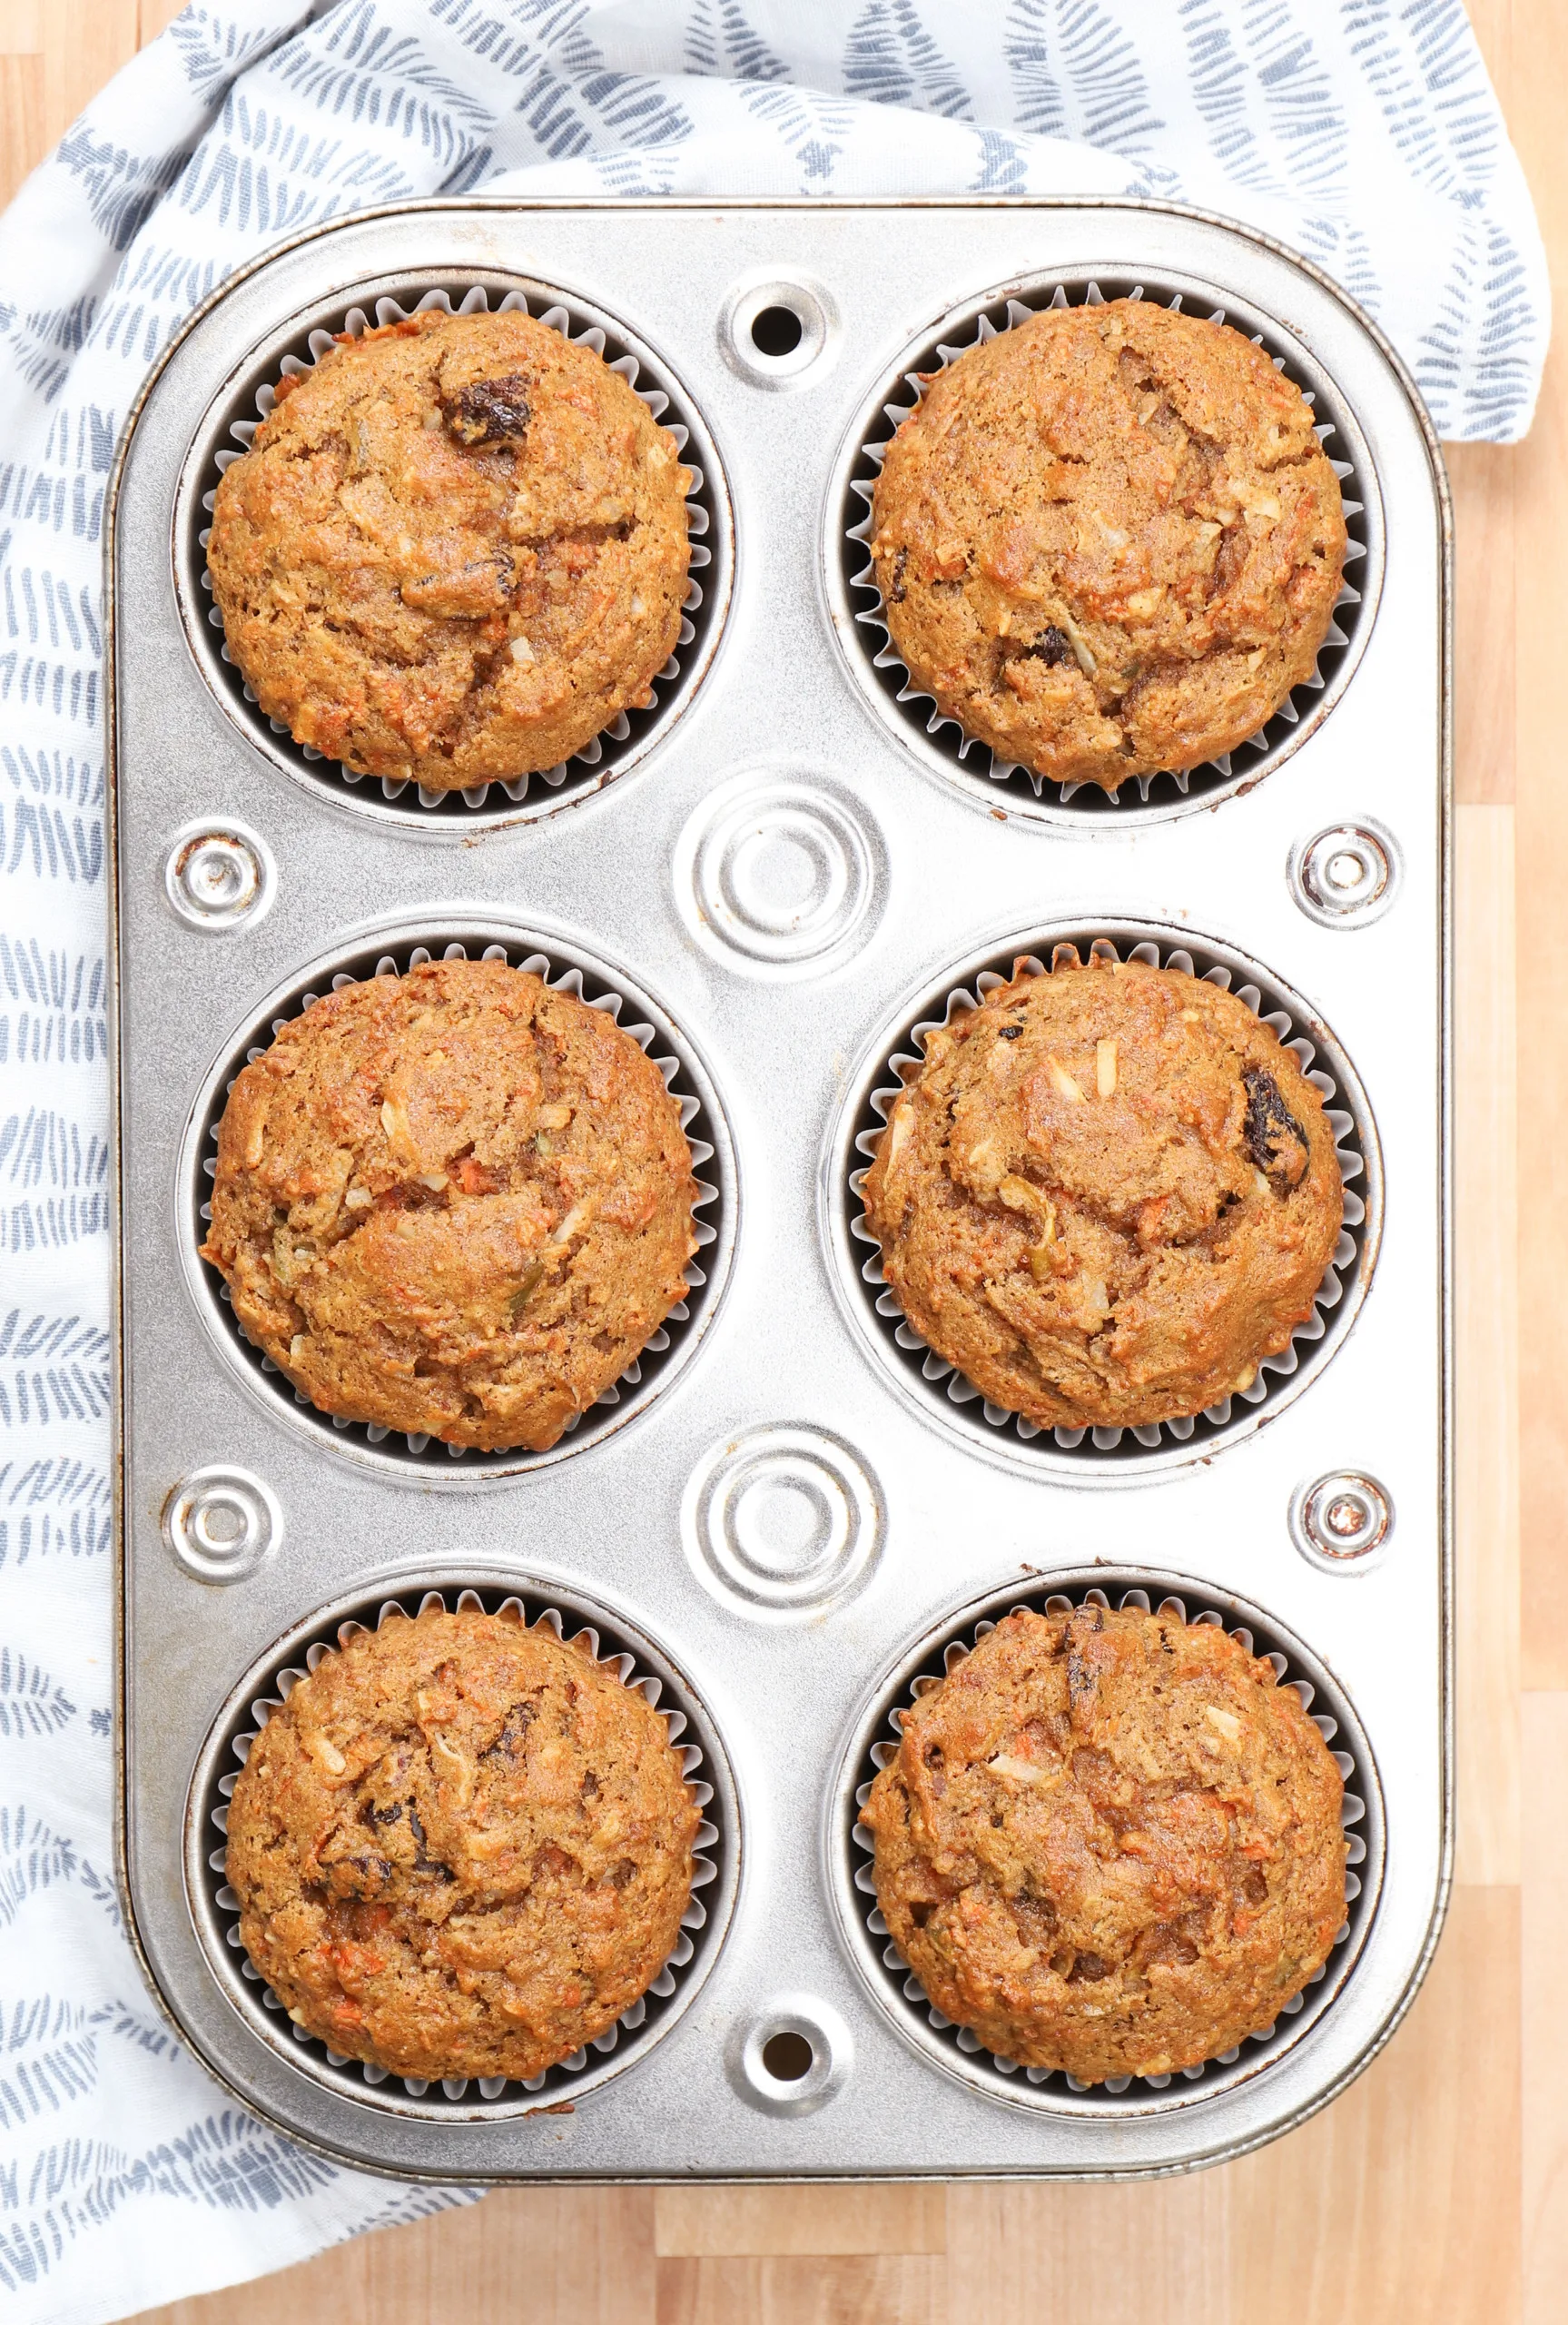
x=790, y=1514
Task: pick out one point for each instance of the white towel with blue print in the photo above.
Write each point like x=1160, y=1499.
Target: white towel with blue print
x=1363, y=132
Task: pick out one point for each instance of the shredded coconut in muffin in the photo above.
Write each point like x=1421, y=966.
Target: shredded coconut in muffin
x=455, y=552
x=1110, y=1843
x=1109, y=541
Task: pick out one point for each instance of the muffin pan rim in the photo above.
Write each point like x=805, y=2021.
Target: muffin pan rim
x=915, y=729
x=848, y=1256
x=845, y=1855
x=450, y=818
x=216, y=1759
x=471, y=1466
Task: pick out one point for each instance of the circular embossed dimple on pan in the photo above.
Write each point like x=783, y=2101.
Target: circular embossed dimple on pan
x=875, y=1742
x=226, y=432
x=612, y=1641
x=1091, y=1456
x=939, y=741
x=568, y=967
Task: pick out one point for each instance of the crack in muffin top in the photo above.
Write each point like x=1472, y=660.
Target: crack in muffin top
x=455, y=552
x=462, y=1848
x=1107, y=1193
x=1110, y=1843
x=1109, y=541
x=456, y=1203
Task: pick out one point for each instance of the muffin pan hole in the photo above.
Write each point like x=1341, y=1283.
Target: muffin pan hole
x=1101, y=1455
x=425, y=1461
x=788, y=2056
x=612, y=1642
x=939, y=740
x=899, y=1991
x=793, y=2057
x=226, y=433
x=776, y=329
x=776, y=333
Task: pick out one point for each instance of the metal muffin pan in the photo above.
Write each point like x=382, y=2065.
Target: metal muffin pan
x=782, y=886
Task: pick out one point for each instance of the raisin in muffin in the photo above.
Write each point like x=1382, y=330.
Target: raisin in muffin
x=455, y=1203
x=461, y=1847
x=1105, y=1195
x=455, y=550
x=1109, y=541
x=1110, y=1843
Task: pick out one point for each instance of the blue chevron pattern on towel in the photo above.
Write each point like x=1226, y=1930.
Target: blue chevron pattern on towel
x=1362, y=132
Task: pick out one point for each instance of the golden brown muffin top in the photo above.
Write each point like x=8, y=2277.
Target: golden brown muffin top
x=455, y=550
x=462, y=1848
x=1109, y=540
x=457, y=1201
x=1110, y=1843
x=1107, y=1192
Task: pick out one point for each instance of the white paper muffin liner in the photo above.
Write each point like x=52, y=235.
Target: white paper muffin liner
x=662, y=2002
x=565, y=969
x=1346, y=1281
x=630, y=734
x=954, y=2047
x=889, y=678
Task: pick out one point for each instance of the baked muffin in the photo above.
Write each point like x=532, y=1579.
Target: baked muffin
x=461, y=1848
x=454, y=551
x=456, y=1203
x=1110, y=1843
x=1107, y=1195
x=1109, y=541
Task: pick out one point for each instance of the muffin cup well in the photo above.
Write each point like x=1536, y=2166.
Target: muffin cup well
x=391, y=951
x=612, y=1641
x=875, y=1742
x=939, y=740
x=1099, y=1455
x=226, y=434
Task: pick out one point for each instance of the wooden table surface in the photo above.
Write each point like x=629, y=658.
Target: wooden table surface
x=1437, y=2186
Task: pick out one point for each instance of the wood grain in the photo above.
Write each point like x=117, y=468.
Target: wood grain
x=1487, y=1385
x=1525, y=42
x=22, y=34
x=1541, y=500
x=1397, y=2202
x=152, y=16
x=1545, y=2191
x=1482, y=478
x=740, y=2222
x=21, y=117
x=555, y=2256
x=85, y=43
x=1437, y=2186
x=885, y=2291
x=1118, y=2255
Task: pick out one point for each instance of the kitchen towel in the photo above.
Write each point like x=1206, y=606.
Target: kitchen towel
x=1364, y=133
